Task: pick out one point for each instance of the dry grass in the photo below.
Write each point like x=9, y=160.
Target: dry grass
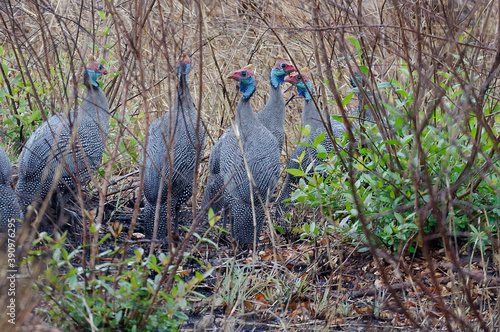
x=145, y=39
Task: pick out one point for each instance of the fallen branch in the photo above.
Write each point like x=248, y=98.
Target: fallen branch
x=396, y=287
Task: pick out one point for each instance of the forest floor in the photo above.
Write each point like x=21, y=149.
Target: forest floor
x=298, y=285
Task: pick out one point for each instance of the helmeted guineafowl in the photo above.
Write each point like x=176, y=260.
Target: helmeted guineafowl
x=66, y=149
x=272, y=116
x=228, y=183
x=184, y=141
x=361, y=113
x=9, y=204
x=310, y=117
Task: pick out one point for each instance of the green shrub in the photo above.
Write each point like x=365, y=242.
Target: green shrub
x=391, y=177
x=114, y=296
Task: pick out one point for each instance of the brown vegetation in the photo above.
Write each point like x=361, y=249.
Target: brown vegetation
x=323, y=283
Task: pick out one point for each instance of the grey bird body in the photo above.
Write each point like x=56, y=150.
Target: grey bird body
x=361, y=113
x=214, y=194
x=5, y=168
x=175, y=132
x=310, y=117
x=227, y=168
x=272, y=116
x=9, y=204
x=65, y=150
x=244, y=170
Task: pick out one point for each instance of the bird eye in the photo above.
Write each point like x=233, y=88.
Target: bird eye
x=243, y=73
x=283, y=65
x=99, y=66
x=299, y=77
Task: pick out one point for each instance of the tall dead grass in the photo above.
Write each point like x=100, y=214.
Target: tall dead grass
x=141, y=40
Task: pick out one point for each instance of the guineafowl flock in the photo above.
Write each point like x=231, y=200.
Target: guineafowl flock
x=244, y=164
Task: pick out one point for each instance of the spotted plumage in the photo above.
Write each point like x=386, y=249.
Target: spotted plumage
x=9, y=205
x=184, y=141
x=247, y=148
x=361, y=113
x=310, y=117
x=272, y=116
x=66, y=149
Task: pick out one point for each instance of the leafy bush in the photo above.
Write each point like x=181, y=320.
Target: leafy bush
x=125, y=296
x=394, y=176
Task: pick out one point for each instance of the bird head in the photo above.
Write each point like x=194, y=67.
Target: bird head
x=183, y=65
x=360, y=75
x=280, y=70
x=94, y=70
x=300, y=80
x=246, y=79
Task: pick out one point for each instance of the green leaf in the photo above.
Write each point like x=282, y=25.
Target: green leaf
x=306, y=130
x=72, y=282
x=304, y=144
x=109, y=45
x=296, y=172
x=301, y=157
x=181, y=315
x=322, y=153
x=102, y=14
x=458, y=93
x=399, y=218
x=104, y=238
x=364, y=69
x=320, y=138
x=387, y=85
x=279, y=229
x=355, y=42
x=118, y=316
x=211, y=217
x=337, y=118
x=57, y=254
x=347, y=99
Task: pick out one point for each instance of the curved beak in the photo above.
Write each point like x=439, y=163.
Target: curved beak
x=290, y=79
x=233, y=75
x=290, y=68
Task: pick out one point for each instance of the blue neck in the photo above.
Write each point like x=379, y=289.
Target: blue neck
x=183, y=68
x=93, y=75
x=247, y=86
x=277, y=77
x=302, y=90
x=358, y=78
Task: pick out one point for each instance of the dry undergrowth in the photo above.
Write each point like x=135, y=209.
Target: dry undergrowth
x=142, y=40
